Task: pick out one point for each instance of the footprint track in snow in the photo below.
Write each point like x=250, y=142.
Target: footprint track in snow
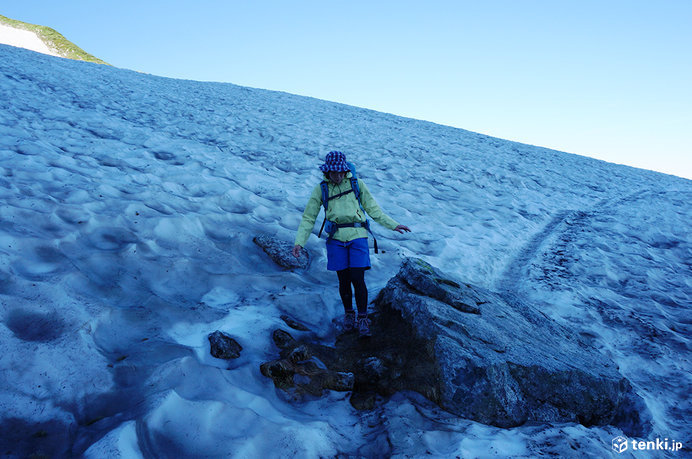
x=558, y=228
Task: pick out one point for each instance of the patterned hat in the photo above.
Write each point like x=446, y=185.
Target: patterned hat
x=335, y=161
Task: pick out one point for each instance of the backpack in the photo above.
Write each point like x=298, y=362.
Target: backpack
x=329, y=226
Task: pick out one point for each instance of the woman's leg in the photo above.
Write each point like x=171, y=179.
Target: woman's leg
x=357, y=276
x=345, y=289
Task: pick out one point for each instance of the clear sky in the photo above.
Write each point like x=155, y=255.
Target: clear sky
x=611, y=79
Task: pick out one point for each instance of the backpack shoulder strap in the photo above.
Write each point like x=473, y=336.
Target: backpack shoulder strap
x=325, y=203
x=354, y=183
x=352, y=168
x=356, y=189
x=325, y=194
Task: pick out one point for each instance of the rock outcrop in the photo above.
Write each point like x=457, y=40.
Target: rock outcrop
x=300, y=372
x=503, y=362
x=477, y=354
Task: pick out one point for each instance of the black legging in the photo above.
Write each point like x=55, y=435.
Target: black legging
x=355, y=276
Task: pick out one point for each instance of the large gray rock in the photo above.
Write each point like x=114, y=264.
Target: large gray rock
x=502, y=362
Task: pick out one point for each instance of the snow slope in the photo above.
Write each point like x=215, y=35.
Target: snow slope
x=129, y=207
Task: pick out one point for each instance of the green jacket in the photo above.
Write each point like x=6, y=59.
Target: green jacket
x=344, y=209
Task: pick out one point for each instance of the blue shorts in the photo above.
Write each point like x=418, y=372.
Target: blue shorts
x=351, y=254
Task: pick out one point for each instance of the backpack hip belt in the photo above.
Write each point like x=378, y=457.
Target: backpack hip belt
x=331, y=227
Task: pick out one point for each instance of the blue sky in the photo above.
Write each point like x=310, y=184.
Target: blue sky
x=608, y=79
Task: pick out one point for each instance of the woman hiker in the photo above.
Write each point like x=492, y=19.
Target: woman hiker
x=347, y=247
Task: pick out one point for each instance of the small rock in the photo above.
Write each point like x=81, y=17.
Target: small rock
x=294, y=324
x=223, y=346
x=283, y=340
x=373, y=369
x=299, y=354
x=363, y=401
x=280, y=371
x=341, y=381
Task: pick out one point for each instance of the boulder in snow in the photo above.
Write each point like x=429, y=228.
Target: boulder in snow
x=502, y=362
x=223, y=346
x=280, y=252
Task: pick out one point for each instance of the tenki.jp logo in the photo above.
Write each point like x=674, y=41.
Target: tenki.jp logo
x=621, y=444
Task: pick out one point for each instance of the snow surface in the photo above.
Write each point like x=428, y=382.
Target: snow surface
x=129, y=204
x=23, y=39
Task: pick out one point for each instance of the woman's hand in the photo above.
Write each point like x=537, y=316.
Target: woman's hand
x=402, y=229
x=296, y=250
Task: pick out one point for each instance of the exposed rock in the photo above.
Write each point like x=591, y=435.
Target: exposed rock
x=223, y=346
x=422, y=278
x=280, y=252
x=476, y=353
x=502, y=362
x=294, y=324
x=384, y=364
x=301, y=372
x=284, y=340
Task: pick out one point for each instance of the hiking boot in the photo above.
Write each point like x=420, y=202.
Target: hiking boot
x=364, y=326
x=349, y=321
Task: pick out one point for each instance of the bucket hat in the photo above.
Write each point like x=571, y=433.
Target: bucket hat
x=335, y=161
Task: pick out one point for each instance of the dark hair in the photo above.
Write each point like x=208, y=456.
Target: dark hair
x=326, y=174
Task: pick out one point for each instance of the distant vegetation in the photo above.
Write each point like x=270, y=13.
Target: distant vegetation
x=54, y=40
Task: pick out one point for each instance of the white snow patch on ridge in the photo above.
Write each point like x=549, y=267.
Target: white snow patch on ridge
x=24, y=39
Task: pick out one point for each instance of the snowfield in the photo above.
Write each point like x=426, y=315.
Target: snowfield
x=129, y=205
